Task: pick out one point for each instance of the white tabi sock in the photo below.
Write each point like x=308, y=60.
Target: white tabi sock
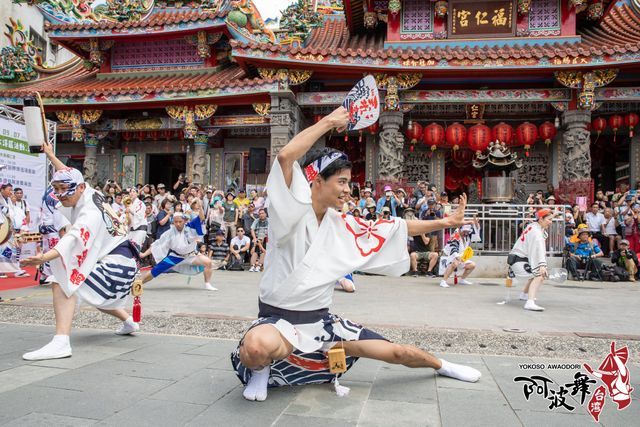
x=459, y=372
x=256, y=388
x=59, y=347
x=128, y=327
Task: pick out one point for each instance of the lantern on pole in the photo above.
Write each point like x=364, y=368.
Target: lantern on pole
x=479, y=137
x=547, y=131
x=631, y=120
x=526, y=134
x=433, y=136
x=455, y=136
x=615, y=122
x=503, y=133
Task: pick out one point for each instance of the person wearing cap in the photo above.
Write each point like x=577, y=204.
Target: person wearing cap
x=451, y=260
x=528, y=258
x=162, y=194
x=584, y=254
x=371, y=214
x=551, y=200
x=176, y=250
x=94, y=262
x=219, y=251
x=365, y=195
x=311, y=246
x=389, y=200
x=444, y=198
x=625, y=259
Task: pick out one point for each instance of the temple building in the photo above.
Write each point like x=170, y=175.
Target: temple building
x=209, y=88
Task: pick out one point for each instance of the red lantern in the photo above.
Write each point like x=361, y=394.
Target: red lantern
x=615, y=122
x=127, y=136
x=599, y=124
x=479, y=137
x=526, y=134
x=433, y=136
x=502, y=132
x=456, y=135
x=373, y=129
x=547, y=131
x=414, y=132
x=631, y=120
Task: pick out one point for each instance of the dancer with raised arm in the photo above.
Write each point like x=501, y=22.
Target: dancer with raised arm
x=312, y=246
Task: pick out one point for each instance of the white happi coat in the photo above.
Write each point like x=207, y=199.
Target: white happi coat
x=95, y=231
x=304, y=259
x=51, y=222
x=531, y=245
x=180, y=243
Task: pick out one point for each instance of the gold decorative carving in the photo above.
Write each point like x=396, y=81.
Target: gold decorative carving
x=262, y=109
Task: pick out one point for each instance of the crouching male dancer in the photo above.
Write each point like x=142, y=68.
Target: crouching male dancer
x=312, y=246
x=93, y=262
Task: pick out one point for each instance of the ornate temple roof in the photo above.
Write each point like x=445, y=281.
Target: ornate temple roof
x=615, y=41
x=159, y=18
x=81, y=86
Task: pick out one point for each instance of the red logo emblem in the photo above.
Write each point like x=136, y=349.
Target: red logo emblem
x=76, y=277
x=596, y=404
x=52, y=242
x=613, y=372
x=311, y=172
x=367, y=233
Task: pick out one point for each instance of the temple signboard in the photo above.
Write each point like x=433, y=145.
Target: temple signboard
x=481, y=18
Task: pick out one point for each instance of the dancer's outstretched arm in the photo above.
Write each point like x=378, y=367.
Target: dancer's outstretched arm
x=303, y=141
x=56, y=162
x=456, y=219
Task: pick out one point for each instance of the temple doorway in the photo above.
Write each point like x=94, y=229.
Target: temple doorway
x=165, y=168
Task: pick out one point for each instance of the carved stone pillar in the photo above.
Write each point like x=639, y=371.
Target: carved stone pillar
x=90, y=160
x=634, y=160
x=576, y=154
x=199, y=158
x=285, y=118
x=390, y=157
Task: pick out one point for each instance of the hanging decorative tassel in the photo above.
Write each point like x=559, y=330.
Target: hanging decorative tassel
x=341, y=390
x=455, y=278
x=136, y=291
x=137, y=310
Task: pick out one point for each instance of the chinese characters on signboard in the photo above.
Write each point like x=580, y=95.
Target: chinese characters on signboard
x=471, y=18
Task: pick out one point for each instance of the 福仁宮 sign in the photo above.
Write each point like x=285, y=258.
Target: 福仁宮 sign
x=472, y=18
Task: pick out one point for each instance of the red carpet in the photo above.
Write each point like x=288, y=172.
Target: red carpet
x=16, y=283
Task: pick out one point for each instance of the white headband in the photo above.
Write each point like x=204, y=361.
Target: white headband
x=317, y=166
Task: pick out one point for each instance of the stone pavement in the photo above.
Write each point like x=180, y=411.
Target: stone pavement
x=160, y=380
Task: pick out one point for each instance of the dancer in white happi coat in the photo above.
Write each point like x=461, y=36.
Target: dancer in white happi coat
x=52, y=227
x=528, y=258
x=176, y=250
x=93, y=262
x=452, y=260
x=312, y=246
x=10, y=215
x=135, y=213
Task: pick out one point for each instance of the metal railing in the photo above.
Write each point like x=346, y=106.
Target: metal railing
x=502, y=224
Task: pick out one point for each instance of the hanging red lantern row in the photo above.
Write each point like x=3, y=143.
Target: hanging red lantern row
x=503, y=133
x=631, y=121
x=615, y=122
x=526, y=134
x=455, y=136
x=547, y=131
x=479, y=137
x=433, y=136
